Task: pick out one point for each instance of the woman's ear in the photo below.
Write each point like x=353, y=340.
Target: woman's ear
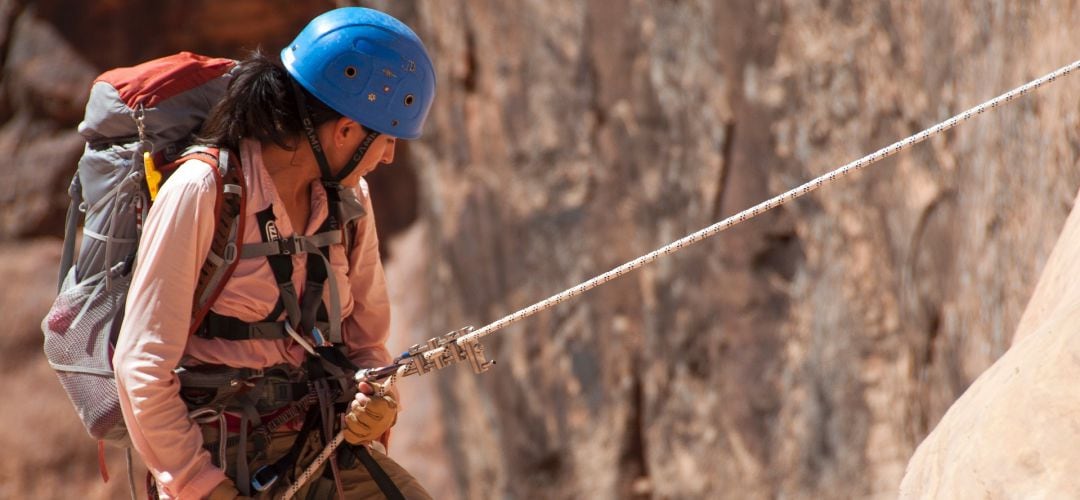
x=344, y=130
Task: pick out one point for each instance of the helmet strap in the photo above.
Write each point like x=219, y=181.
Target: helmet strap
x=361, y=150
x=309, y=130
x=316, y=145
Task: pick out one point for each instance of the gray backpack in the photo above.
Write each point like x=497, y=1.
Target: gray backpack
x=136, y=118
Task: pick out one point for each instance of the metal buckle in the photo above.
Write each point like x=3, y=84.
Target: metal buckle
x=230, y=253
x=289, y=246
x=280, y=391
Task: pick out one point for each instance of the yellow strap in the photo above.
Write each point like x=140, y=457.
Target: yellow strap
x=153, y=176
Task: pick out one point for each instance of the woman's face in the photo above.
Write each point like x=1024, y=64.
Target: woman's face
x=341, y=137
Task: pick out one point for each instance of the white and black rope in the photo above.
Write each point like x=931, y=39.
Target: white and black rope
x=762, y=207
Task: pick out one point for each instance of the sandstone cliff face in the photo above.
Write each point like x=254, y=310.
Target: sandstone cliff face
x=1012, y=434
x=803, y=354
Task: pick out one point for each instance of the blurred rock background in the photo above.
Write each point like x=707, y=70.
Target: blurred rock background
x=804, y=354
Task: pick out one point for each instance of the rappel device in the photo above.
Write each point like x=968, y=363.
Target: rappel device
x=464, y=345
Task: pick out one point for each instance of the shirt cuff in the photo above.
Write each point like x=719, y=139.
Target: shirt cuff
x=202, y=484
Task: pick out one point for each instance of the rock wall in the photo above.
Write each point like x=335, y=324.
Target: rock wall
x=1012, y=433
x=802, y=354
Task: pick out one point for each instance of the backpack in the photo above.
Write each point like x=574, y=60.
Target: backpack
x=136, y=118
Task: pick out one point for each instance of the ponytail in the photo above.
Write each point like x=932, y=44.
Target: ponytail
x=260, y=104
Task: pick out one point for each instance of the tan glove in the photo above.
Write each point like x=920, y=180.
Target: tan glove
x=369, y=417
x=226, y=490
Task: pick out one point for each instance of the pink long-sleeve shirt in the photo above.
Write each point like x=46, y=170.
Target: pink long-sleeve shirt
x=154, y=337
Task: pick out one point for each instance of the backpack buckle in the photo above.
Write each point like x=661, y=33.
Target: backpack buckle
x=230, y=253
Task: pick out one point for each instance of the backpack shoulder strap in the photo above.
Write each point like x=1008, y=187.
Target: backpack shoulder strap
x=224, y=252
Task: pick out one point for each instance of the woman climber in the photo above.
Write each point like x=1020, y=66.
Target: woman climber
x=237, y=409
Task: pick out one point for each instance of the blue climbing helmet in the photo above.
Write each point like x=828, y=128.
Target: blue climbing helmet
x=366, y=65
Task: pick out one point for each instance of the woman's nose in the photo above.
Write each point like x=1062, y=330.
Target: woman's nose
x=388, y=152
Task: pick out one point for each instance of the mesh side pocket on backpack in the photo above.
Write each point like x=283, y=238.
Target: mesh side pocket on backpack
x=80, y=329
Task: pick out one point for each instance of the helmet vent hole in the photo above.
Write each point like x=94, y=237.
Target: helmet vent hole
x=350, y=71
x=409, y=99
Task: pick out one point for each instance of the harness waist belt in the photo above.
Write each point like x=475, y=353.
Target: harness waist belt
x=216, y=326
x=266, y=390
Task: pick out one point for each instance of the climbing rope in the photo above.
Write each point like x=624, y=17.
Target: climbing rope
x=760, y=208
x=457, y=346
x=328, y=450
x=310, y=471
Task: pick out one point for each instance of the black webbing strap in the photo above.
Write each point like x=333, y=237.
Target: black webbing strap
x=313, y=292
x=309, y=131
x=279, y=308
x=282, y=267
x=382, y=479
x=329, y=423
x=248, y=417
x=217, y=326
x=284, y=466
x=333, y=202
x=313, y=307
x=333, y=356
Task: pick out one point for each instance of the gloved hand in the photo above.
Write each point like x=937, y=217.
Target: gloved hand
x=226, y=490
x=369, y=416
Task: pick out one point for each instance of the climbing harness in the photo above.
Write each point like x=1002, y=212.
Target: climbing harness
x=340, y=55
x=463, y=345
x=283, y=393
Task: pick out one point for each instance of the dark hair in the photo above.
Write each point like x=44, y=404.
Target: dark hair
x=260, y=104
